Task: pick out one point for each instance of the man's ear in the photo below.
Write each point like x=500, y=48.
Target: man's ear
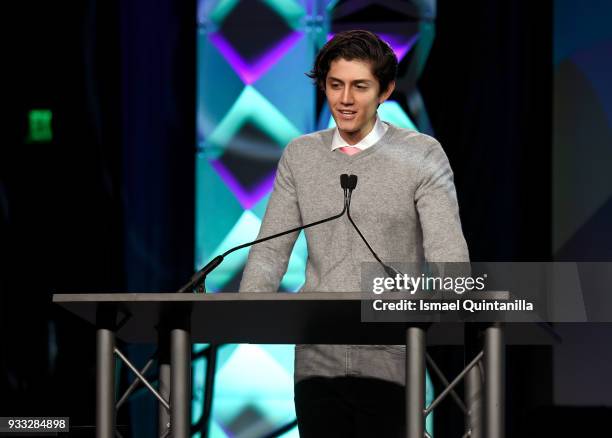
x=384, y=96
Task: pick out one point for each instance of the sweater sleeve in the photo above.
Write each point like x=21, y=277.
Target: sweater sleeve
x=436, y=203
x=267, y=261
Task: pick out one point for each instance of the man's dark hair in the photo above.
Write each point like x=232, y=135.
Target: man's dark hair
x=361, y=45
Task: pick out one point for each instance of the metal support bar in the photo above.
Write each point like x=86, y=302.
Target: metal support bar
x=415, y=382
x=453, y=384
x=180, y=390
x=211, y=369
x=474, y=392
x=142, y=378
x=432, y=364
x=134, y=384
x=165, y=374
x=494, y=366
x=163, y=420
x=473, y=399
x=105, y=383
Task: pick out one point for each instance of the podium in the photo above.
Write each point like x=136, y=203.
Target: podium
x=281, y=318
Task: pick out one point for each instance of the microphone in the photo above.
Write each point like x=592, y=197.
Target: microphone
x=198, y=279
x=352, y=184
x=344, y=183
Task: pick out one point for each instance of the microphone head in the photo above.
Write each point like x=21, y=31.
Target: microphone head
x=352, y=182
x=344, y=181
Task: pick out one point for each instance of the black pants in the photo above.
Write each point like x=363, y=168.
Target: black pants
x=350, y=407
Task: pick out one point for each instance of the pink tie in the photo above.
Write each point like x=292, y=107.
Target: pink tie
x=350, y=150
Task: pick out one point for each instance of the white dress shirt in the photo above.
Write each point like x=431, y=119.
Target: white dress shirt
x=375, y=134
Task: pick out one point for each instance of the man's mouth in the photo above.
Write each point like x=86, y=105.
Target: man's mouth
x=347, y=114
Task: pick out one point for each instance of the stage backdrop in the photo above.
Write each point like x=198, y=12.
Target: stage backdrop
x=582, y=185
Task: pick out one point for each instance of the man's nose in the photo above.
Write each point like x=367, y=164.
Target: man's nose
x=347, y=96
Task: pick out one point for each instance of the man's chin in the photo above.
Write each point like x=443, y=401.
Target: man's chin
x=347, y=129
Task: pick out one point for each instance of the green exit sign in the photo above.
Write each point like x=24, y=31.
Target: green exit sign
x=39, y=126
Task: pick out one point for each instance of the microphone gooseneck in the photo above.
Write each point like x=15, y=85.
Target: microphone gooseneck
x=352, y=184
x=198, y=279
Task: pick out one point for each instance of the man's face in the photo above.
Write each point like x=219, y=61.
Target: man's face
x=353, y=95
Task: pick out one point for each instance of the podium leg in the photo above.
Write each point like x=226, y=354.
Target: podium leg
x=494, y=369
x=165, y=376
x=163, y=353
x=473, y=402
x=180, y=390
x=105, y=383
x=415, y=382
x=474, y=390
x=164, y=391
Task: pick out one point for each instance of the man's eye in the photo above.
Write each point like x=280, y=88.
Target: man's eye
x=362, y=87
x=335, y=85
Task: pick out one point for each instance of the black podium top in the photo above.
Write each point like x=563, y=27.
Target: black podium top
x=265, y=318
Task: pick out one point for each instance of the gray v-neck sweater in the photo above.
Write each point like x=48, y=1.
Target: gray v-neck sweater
x=404, y=204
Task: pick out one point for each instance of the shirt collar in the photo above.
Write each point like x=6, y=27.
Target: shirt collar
x=369, y=140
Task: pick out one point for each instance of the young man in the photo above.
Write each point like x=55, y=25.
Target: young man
x=405, y=204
